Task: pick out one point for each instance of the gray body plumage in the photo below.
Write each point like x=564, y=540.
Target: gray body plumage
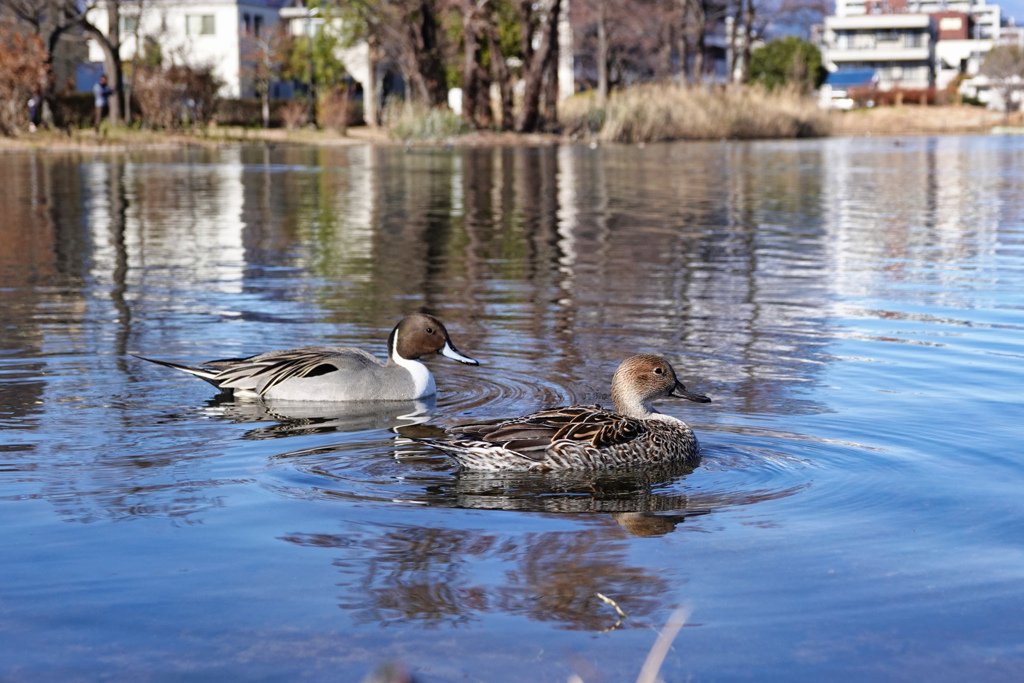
x=336, y=373
x=331, y=373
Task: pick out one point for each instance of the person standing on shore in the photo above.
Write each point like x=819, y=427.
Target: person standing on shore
x=101, y=92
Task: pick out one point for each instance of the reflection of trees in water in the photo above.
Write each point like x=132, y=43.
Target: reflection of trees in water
x=582, y=257
x=558, y=576
x=433, y=575
x=42, y=258
x=586, y=257
x=454, y=575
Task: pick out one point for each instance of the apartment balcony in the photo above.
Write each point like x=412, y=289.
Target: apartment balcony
x=880, y=54
x=879, y=22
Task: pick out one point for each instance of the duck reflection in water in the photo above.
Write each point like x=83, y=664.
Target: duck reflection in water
x=647, y=501
x=297, y=418
x=438, y=574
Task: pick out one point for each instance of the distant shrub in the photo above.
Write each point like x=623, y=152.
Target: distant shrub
x=333, y=110
x=295, y=113
x=176, y=96
x=787, y=62
x=652, y=113
x=580, y=117
x=74, y=109
x=23, y=74
x=247, y=111
x=406, y=121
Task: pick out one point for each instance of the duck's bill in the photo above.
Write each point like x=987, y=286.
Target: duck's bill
x=451, y=352
x=682, y=392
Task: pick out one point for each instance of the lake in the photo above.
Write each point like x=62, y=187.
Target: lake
x=853, y=307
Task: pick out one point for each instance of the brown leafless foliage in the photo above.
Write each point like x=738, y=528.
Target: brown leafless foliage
x=53, y=18
x=1004, y=67
x=23, y=74
x=176, y=95
x=333, y=110
x=622, y=43
x=262, y=61
x=32, y=12
x=294, y=114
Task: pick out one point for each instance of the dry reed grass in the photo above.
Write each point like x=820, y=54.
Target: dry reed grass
x=655, y=113
x=409, y=121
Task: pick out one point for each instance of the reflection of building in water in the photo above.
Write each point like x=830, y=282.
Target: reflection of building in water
x=941, y=206
x=337, y=216
x=89, y=233
x=183, y=221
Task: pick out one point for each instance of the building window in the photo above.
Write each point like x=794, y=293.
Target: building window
x=257, y=25
x=199, y=25
x=863, y=41
x=914, y=40
x=246, y=24
x=127, y=24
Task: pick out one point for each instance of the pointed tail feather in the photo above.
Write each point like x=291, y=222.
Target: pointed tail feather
x=202, y=373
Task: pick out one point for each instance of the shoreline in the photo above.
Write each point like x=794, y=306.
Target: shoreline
x=913, y=120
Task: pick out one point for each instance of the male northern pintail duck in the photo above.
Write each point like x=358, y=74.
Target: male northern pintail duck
x=336, y=373
x=587, y=437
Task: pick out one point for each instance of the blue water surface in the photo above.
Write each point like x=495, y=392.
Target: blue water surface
x=854, y=307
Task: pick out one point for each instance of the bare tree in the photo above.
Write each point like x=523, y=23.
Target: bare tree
x=625, y=43
x=476, y=80
x=62, y=15
x=538, y=63
x=602, y=52
x=500, y=70
x=1004, y=67
x=262, y=61
x=698, y=17
x=411, y=26
x=130, y=84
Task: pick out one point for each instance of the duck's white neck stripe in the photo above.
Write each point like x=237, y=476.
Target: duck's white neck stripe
x=423, y=381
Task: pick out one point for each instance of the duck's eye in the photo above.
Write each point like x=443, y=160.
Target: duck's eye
x=659, y=371
x=430, y=330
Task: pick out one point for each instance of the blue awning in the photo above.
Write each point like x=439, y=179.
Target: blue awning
x=850, y=78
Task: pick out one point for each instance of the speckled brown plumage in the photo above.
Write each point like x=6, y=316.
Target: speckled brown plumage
x=587, y=437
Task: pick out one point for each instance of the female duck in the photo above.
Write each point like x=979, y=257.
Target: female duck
x=337, y=373
x=587, y=437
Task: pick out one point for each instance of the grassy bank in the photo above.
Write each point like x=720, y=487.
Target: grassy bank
x=918, y=120
x=120, y=138
x=633, y=117
x=656, y=113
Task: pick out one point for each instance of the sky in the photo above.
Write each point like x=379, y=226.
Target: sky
x=1011, y=8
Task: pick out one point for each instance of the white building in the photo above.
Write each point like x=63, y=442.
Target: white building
x=985, y=18
x=899, y=47
x=195, y=32
x=911, y=45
